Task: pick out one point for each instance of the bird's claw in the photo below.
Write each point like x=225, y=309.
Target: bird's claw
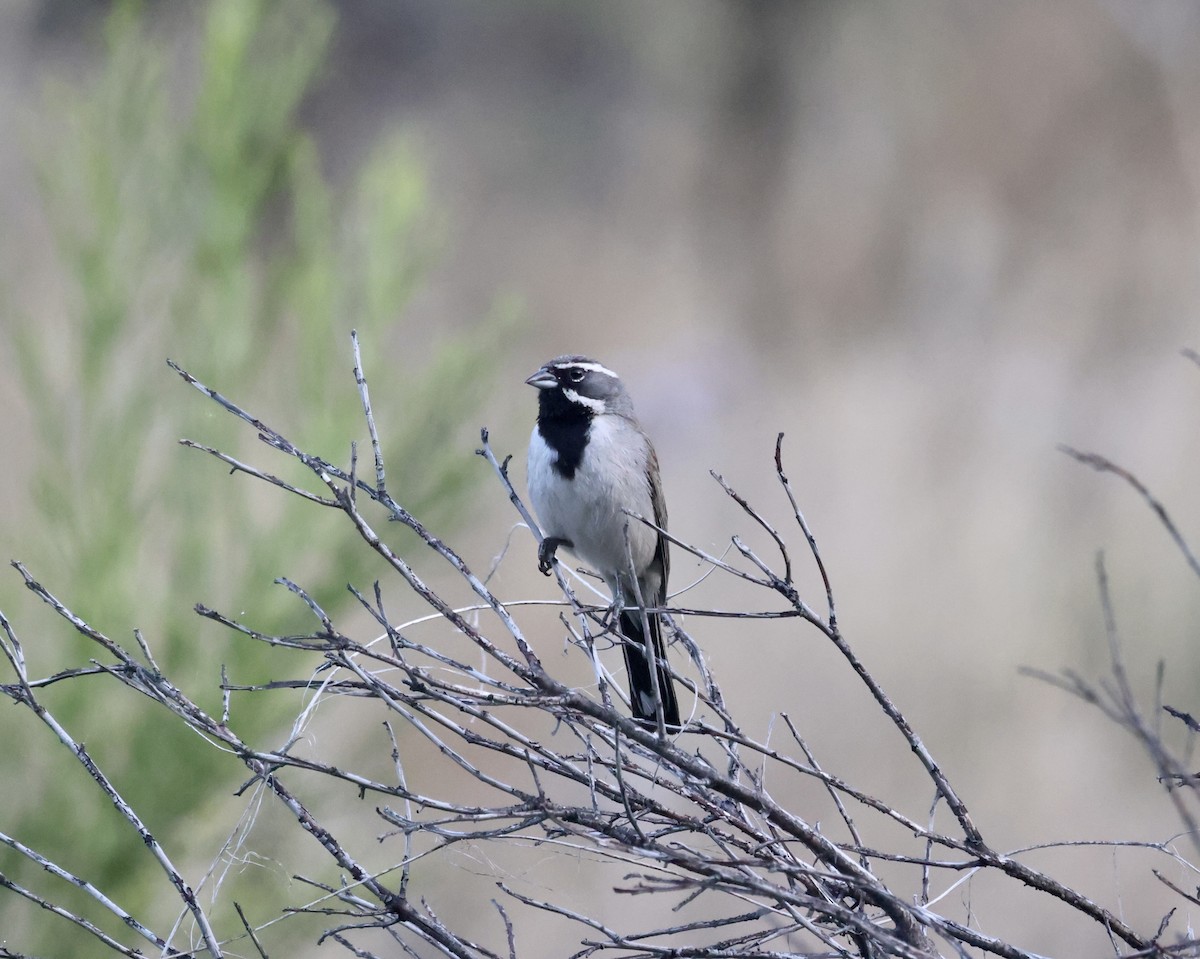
x=546, y=552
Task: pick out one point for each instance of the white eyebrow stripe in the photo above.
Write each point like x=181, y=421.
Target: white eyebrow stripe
x=596, y=406
x=590, y=367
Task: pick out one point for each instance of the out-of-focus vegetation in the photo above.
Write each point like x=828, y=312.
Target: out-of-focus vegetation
x=930, y=242
x=192, y=220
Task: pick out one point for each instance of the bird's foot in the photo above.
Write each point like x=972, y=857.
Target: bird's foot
x=610, y=617
x=546, y=552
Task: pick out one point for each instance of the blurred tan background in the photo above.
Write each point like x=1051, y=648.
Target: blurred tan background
x=929, y=242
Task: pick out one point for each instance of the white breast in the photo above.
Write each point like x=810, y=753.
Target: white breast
x=587, y=509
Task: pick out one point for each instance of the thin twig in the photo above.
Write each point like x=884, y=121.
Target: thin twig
x=1104, y=465
x=803, y=524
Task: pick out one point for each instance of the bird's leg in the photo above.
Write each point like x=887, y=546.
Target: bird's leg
x=546, y=552
x=613, y=613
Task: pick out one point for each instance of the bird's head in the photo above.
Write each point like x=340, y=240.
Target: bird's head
x=581, y=386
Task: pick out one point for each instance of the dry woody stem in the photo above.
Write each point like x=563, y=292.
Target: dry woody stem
x=690, y=818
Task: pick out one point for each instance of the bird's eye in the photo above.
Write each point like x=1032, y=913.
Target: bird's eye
x=576, y=375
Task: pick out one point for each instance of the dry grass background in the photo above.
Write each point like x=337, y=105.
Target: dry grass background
x=929, y=242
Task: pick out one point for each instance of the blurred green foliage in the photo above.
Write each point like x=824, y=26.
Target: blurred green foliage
x=193, y=220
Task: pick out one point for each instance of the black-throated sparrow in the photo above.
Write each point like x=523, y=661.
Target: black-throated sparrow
x=589, y=461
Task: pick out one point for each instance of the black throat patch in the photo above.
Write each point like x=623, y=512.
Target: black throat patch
x=564, y=426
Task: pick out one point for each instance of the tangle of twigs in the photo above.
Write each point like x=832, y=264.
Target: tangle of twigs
x=688, y=816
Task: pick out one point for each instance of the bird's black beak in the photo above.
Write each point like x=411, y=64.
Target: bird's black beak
x=543, y=379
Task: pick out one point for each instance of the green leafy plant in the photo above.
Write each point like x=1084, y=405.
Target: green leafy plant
x=192, y=220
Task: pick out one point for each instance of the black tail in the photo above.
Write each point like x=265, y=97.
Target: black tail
x=637, y=664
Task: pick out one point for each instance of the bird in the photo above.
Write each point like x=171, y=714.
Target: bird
x=589, y=462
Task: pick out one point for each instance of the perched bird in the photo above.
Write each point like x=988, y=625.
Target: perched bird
x=589, y=461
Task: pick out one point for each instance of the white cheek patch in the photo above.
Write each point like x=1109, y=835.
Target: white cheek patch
x=596, y=406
